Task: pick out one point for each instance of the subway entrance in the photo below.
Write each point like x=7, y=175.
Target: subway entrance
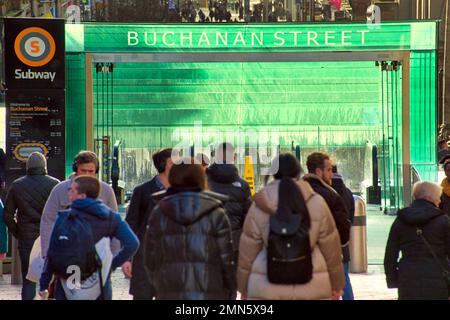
x=364, y=107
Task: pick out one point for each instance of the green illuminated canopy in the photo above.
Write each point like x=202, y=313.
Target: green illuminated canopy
x=253, y=37
x=321, y=86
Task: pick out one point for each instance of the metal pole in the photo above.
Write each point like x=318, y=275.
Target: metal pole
x=417, y=9
x=445, y=61
x=58, y=9
x=406, y=130
x=35, y=8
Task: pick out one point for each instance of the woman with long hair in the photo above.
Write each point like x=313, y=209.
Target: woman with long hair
x=288, y=193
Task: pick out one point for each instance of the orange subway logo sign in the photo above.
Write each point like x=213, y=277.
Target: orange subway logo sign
x=35, y=47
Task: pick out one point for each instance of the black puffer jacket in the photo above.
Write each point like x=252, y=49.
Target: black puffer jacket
x=224, y=179
x=337, y=183
x=336, y=205
x=188, y=250
x=417, y=275
x=28, y=195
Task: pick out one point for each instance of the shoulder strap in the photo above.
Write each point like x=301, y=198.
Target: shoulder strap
x=419, y=232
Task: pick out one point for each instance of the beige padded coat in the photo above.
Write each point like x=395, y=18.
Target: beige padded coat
x=328, y=273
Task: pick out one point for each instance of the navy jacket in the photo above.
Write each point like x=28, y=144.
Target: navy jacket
x=97, y=214
x=141, y=205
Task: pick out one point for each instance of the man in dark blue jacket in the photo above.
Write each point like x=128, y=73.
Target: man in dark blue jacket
x=83, y=195
x=337, y=182
x=141, y=205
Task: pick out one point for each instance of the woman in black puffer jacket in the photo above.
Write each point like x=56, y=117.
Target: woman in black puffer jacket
x=417, y=274
x=188, y=242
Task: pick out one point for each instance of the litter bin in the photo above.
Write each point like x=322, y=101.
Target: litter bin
x=358, y=238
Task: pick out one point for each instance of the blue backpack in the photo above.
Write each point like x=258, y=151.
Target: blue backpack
x=72, y=244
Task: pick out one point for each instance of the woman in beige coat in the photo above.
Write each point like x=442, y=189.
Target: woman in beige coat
x=328, y=275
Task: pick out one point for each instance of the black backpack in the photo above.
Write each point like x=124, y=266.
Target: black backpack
x=289, y=253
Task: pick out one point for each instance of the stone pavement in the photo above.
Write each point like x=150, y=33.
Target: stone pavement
x=367, y=286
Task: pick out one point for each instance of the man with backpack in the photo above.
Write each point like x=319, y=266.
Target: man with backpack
x=74, y=245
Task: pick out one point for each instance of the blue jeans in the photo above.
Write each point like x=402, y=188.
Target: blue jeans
x=28, y=287
x=60, y=295
x=348, y=290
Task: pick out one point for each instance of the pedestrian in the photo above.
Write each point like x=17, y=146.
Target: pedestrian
x=83, y=194
x=139, y=209
x=319, y=176
x=320, y=173
x=337, y=183
x=443, y=150
x=85, y=163
x=2, y=174
x=3, y=234
x=286, y=192
x=421, y=233
x=188, y=248
x=223, y=177
x=445, y=184
x=202, y=159
x=25, y=202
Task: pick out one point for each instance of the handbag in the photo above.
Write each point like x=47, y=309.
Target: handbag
x=36, y=265
x=445, y=271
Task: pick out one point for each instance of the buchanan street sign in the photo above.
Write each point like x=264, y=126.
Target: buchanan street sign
x=246, y=39
x=253, y=37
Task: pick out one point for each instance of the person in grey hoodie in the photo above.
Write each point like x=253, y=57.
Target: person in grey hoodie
x=85, y=163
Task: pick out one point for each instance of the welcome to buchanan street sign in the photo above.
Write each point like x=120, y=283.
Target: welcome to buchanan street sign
x=253, y=37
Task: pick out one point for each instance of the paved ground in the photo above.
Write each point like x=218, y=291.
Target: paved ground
x=368, y=286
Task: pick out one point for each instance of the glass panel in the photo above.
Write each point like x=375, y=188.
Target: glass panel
x=75, y=107
x=330, y=106
x=423, y=114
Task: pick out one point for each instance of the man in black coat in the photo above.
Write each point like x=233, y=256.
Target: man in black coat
x=139, y=209
x=25, y=202
x=320, y=178
x=337, y=182
x=223, y=177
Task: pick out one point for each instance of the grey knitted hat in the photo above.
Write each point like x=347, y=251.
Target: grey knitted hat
x=36, y=160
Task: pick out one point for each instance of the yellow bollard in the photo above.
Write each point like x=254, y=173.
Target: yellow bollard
x=248, y=174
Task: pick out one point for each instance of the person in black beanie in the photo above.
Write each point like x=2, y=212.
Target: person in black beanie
x=25, y=202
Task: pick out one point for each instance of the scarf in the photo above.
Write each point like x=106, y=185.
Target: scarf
x=446, y=187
